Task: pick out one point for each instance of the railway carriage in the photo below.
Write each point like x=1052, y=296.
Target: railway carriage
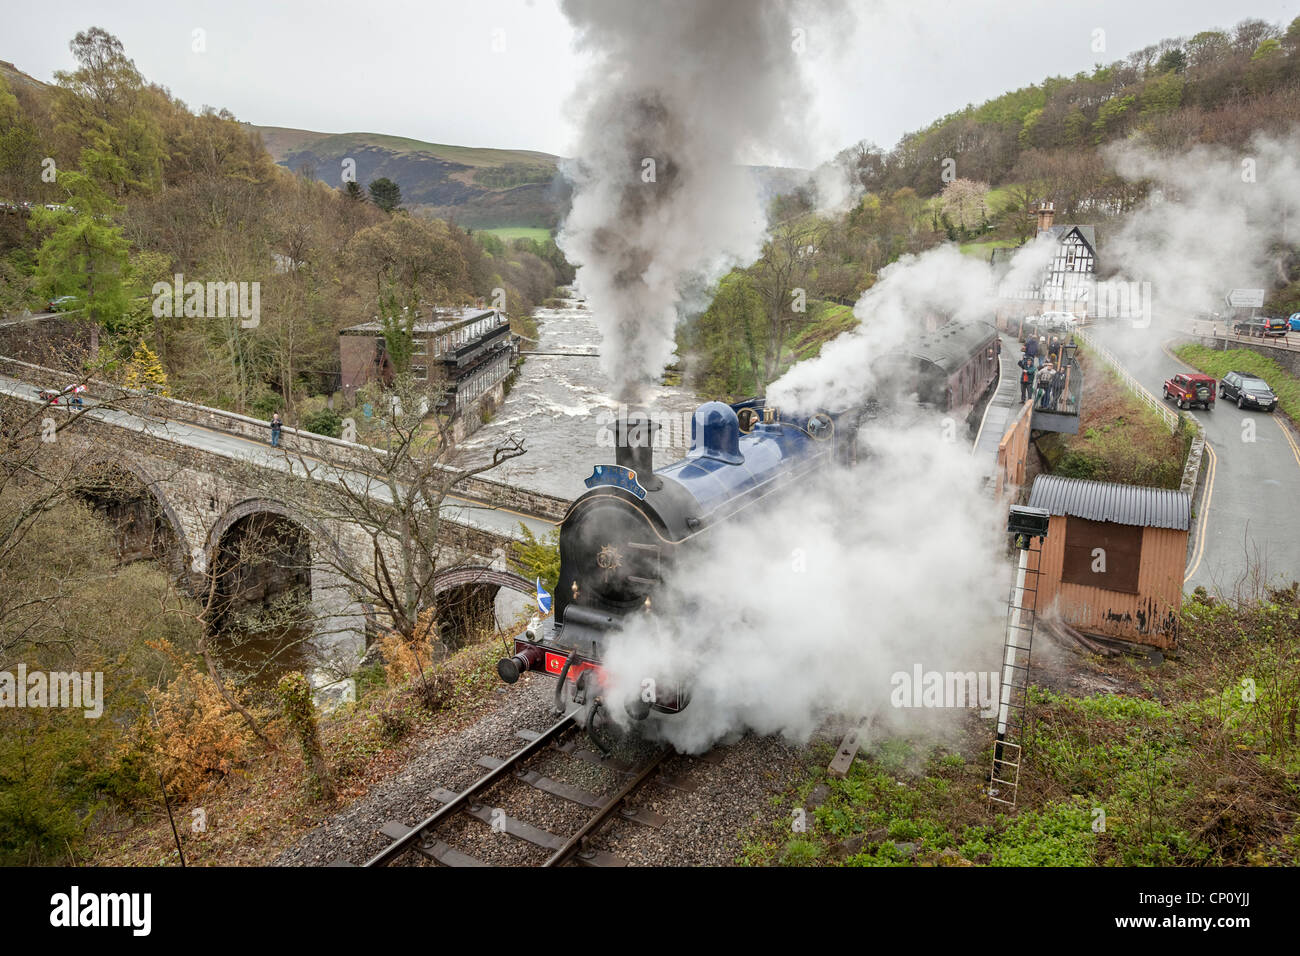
x=950, y=369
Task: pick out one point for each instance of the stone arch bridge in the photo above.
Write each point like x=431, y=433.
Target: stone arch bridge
x=169, y=472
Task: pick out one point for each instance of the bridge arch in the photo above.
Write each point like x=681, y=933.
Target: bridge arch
x=296, y=545
x=94, y=478
x=252, y=506
x=467, y=598
x=464, y=574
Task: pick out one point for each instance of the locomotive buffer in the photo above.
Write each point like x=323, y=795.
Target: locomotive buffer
x=1029, y=525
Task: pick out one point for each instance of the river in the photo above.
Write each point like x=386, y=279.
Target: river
x=561, y=405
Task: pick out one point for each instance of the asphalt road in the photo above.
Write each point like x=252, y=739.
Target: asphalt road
x=227, y=445
x=1248, y=516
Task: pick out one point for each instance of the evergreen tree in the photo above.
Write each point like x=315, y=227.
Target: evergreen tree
x=85, y=253
x=1174, y=59
x=398, y=323
x=385, y=194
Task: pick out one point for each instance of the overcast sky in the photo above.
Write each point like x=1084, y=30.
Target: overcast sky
x=435, y=70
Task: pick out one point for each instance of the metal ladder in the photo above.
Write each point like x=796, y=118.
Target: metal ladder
x=1013, y=692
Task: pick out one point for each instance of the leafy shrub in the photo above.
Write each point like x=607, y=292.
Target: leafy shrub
x=540, y=557
x=325, y=421
x=195, y=738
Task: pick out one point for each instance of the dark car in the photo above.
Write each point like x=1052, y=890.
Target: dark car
x=1262, y=325
x=1189, y=389
x=1248, y=390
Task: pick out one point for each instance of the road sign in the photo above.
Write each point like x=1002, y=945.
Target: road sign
x=1245, y=298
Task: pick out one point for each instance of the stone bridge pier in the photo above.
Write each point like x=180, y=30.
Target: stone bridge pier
x=238, y=552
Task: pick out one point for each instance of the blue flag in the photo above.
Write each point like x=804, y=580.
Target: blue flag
x=543, y=599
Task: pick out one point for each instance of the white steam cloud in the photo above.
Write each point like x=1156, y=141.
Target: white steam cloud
x=808, y=611
x=941, y=282
x=1215, y=219
x=681, y=94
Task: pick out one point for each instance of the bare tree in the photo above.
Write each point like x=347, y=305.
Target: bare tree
x=390, y=499
x=782, y=273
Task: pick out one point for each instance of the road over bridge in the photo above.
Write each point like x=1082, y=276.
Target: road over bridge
x=191, y=465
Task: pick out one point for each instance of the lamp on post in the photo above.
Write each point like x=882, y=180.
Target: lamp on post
x=1027, y=523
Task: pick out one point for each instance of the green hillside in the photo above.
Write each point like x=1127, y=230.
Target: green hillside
x=282, y=142
x=477, y=186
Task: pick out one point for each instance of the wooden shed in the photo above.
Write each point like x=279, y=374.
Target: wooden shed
x=1114, y=557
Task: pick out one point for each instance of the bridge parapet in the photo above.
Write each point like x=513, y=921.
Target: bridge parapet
x=323, y=447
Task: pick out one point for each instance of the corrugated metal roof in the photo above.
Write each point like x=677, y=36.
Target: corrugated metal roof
x=1107, y=501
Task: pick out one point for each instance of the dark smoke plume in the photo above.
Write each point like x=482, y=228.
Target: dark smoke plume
x=681, y=93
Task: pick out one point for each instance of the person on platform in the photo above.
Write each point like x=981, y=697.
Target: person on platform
x=1045, y=376
x=1026, y=366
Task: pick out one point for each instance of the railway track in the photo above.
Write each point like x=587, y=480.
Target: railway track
x=428, y=839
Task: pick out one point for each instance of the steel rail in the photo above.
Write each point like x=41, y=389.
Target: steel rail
x=574, y=843
x=397, y=847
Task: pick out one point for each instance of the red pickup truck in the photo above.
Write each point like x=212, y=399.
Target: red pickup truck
x=1188, y=390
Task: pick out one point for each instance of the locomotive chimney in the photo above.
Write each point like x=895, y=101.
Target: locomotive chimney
x=635, y=448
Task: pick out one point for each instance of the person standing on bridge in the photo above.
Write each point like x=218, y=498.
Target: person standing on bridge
x=275, y=430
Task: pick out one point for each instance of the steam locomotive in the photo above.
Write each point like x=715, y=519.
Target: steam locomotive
x=621, y=537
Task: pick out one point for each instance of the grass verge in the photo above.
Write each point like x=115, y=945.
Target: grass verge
x=1219, y=363
x=1120, y=438
x=1196, y=762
